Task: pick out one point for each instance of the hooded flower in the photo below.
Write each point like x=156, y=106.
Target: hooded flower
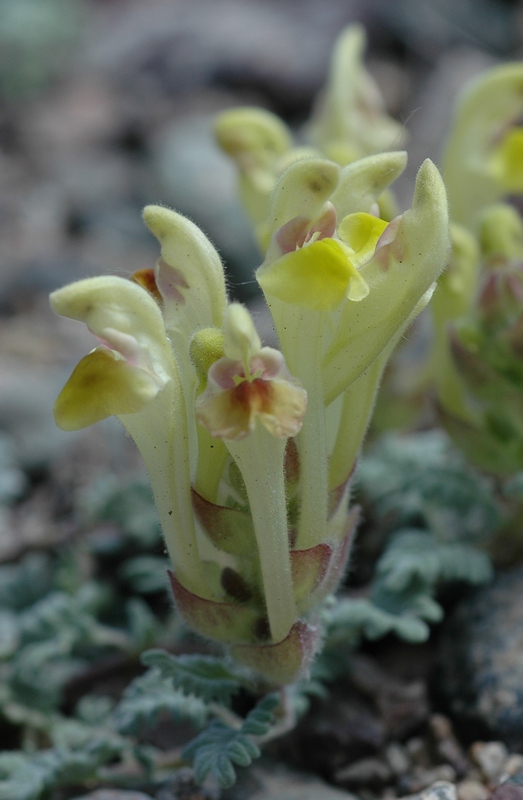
x=483, y=159
x=318, y=271
x=129, y=367
x=348, y=123
x=343, y=285
x=256, y=386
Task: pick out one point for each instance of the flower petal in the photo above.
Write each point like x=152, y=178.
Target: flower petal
x=189, y=275
x=507, y=161
x=316, y=276
x=303, y=190
x=225, y=413
x=364, y=181
x=240, y=337
x=232, y=413
x=102, y=384
x=287, y=409
x=400, y=275
x=361, y=232
x=351, y=117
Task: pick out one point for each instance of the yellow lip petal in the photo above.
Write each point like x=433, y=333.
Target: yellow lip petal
x=101, y=385
x=507, y=161
x=361, y=232
x=358, y=287
x=316, y=276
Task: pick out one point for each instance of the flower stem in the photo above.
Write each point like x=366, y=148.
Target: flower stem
x=161, y=436
x=260, y=459
x=312, y=439
x=357, y=407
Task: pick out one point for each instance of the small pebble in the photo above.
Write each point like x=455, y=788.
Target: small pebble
x=441, y=790
x=366, y=771
x=440, y=726
x=447, y=745
x=397, y=758
x=490, y=758
x=418, y=752
x=420, y=779
x=513, y=765
x=508, y=791
x=471, y=789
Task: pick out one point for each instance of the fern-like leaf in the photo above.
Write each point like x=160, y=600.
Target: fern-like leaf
x=149, y=695
x=422, y=477
x=24, y=777
x=218, y=748
x=416, y=556
x=205, y=677
x=352, y=619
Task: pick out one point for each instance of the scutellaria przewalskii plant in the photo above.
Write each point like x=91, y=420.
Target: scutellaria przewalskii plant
x=250, y=450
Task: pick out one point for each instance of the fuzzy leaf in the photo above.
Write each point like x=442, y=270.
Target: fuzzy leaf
x=204, y=677
x=259, y=720
x=9, y=634
x=416, y=556
x=24, y=583
x=514, y=486
x=421, y=476
x=350, y=620
x=151, y=694
x=146, y=574
x=25, y=777
x=218, y=747
x=415, y=602
x=143, y=625
x=129, y=503
x=40, y=670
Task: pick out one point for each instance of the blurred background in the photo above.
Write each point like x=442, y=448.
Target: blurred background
x=107, y=105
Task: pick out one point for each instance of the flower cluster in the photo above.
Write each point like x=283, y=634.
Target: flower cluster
x=478, y=306
x=479, y=343
x=483, y=158
x=250, y=449
x=348, y=123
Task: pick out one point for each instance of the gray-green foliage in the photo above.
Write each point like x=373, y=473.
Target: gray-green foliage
x=219, y=747
x=185, y=686
x=198, y=688
x=62, y=614
x=202, y=676
x=24, y=777
x=349, y=620
x=437, y=512
x=422, y=478
x=48, y=641
x=151, y=695
x=146, y=574
x=416, y=555
x=127, y=502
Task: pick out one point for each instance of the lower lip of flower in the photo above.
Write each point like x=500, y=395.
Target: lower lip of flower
x=252, y=395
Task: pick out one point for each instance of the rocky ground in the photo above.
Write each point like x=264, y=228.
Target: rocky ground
x=107, y=105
